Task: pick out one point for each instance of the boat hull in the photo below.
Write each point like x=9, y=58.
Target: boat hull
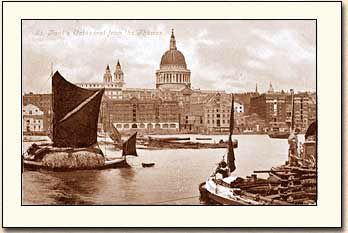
x=148, y=164
x=212, y=198
x=213, y=193
x=68, y=159
x=279, y=135
x=34, y=166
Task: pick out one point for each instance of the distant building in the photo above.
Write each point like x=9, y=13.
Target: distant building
x=275, y=108
x=113, y=85
x=44, y=103
x=33, y=119
x=251, y=124
x=173, y=105
x=148, y=115
x=305, y=110
x=217, y=110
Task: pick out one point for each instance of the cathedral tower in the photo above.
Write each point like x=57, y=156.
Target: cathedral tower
x=107, y=75
x=118, y=74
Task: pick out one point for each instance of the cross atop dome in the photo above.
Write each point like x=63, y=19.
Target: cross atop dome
x=172, y=41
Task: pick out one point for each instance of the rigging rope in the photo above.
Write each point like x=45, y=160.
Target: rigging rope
x=44, y=84
x=178, y=199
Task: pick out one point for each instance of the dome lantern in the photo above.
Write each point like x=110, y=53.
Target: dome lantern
x=172, y=41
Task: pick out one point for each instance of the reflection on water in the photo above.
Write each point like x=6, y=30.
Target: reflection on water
x=173, y=180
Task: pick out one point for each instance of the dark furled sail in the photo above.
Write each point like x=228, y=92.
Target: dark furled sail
x=75, y=112
x=115, y=134
x=129, y=146
x=230, y=153
x=312, y=130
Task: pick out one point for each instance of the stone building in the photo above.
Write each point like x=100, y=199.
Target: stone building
x=217, y=110
x=113, y=84
x=272, y=108
x=148, y=115
x=33, y=119
x=43, y=102
x=304, y=108
x=275, y=108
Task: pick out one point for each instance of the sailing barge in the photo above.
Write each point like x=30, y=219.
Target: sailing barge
x=74, y=137
x=158, y=143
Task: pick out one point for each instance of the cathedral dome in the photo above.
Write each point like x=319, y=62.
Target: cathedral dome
x=173, y=73
x=173, y=57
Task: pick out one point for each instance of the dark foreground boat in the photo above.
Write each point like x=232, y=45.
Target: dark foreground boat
x=74, y=138
x=289, y=184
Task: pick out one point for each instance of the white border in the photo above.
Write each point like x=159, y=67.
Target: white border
x=326, y=214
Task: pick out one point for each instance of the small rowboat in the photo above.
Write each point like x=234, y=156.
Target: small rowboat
x=203, y=138
x=147, y=164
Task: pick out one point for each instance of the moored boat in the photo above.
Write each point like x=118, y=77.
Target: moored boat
x=203, y=138
x=147, y=164
x=164, y=144
x=280, y=135
x=74, y=138
x=293, y=183
x=170, y=139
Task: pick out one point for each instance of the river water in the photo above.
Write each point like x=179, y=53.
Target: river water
x=173, y=180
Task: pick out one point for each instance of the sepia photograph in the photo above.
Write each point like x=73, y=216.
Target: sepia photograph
x=169, y=112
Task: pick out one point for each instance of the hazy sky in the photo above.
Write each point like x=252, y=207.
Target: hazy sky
x=229, y=55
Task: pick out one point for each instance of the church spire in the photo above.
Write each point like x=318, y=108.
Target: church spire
x=118, y=74
x=172, y=41
x=107, y=75
x=270, y=90
x=256, y=91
